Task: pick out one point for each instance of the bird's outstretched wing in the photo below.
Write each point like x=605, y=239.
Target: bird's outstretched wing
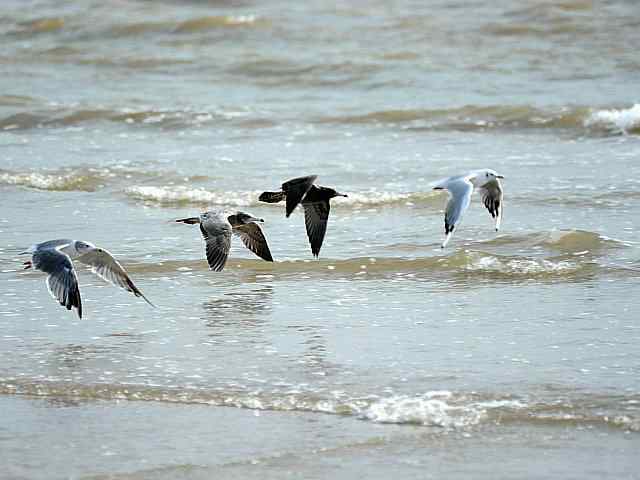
x=296, y=189
x=105, y=266
x=492, y=198
x=316, y=216
x=253, y=238
x=216, y=232
x=460, y=190
x=62, y=281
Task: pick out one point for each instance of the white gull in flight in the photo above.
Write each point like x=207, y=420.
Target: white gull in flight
x=54, y=257
x=460, y=188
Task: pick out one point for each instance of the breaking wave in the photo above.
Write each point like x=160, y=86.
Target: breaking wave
x=500, y=117
x=445, y=409
x=86, y=181
x=585, y=120
x=81, y=178
x=184, y=195
x=157, y=117
x=616, y=120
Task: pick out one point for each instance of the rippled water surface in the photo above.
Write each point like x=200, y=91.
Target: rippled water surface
x=387, y=357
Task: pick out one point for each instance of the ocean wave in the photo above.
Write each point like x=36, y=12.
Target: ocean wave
x=625, y=121
x=184, y=195
x=86, y=181
x=562, y=241
x=498, y=117
x=149, y=117
x=215, y=22
x=460, y=266
x=444, y=409
x=81, y=178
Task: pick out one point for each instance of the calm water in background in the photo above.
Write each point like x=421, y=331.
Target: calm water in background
x=510, y=355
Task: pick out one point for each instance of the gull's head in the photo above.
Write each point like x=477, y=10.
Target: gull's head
x=244, y=218
x=488, y=175
x=83, y=247
x=332, y=193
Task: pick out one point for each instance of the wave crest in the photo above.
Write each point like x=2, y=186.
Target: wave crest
x=184, y=195
x=52, y=181
x=625, y=121
x=443, y=409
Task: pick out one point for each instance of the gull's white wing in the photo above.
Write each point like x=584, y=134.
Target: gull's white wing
x=460, y=190
x=492, y=198
x=62, y=281
x=216, y=231
x=105, y=266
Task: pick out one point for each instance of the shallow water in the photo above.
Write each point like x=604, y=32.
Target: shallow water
x=388, y=355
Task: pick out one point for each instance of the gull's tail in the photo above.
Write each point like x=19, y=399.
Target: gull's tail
x=272, y=197
x=446, y=240
x=190, y=221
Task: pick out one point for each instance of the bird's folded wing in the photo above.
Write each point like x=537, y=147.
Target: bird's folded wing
x=105, y=266
x=296, y=189
x=316, y=215
x=253, y=238
x=218, y=243
x=492, y=198
x=62, y=281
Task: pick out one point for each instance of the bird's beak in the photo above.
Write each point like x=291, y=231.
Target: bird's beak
x=500, y=176
x=343, y=195
x=254, y=219
x=27, y=265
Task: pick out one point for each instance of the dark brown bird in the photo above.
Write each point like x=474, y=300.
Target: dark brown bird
x=314, y=200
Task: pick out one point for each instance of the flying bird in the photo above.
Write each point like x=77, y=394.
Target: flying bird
x=314, y=200
x=54, y=257
x=217, y=228
x=460, y=188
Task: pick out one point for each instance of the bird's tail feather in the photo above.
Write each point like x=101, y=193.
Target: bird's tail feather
x=271, y=197
x=190, y=221
x=446, y=240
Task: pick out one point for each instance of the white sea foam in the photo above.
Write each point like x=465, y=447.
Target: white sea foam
x=187, y=194
x=624, y=120
x=518, y=265
x=424, y=410
x=46, y=181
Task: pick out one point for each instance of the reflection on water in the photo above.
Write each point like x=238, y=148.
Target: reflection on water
x=244, y=308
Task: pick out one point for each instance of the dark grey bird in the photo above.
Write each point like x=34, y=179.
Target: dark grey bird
x=217, y=228
x=314, y=200
x=54, y=257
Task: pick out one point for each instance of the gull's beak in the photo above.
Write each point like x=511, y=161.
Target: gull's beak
x=254, y=219
x=27, y=265
x=343, y=195
x=500, y=176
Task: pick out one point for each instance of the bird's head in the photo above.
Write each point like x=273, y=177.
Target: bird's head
x=488, y=175
x=332, y=193
x=243, y=218
x=83, y=247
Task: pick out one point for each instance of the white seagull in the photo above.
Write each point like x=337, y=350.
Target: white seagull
x=217, y=228
x=460, y=188
x=54, y=257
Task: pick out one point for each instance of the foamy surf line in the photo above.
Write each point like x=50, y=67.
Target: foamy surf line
x=623, y=120
x=185, y=195
x=443, y=409
x=499, y=117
